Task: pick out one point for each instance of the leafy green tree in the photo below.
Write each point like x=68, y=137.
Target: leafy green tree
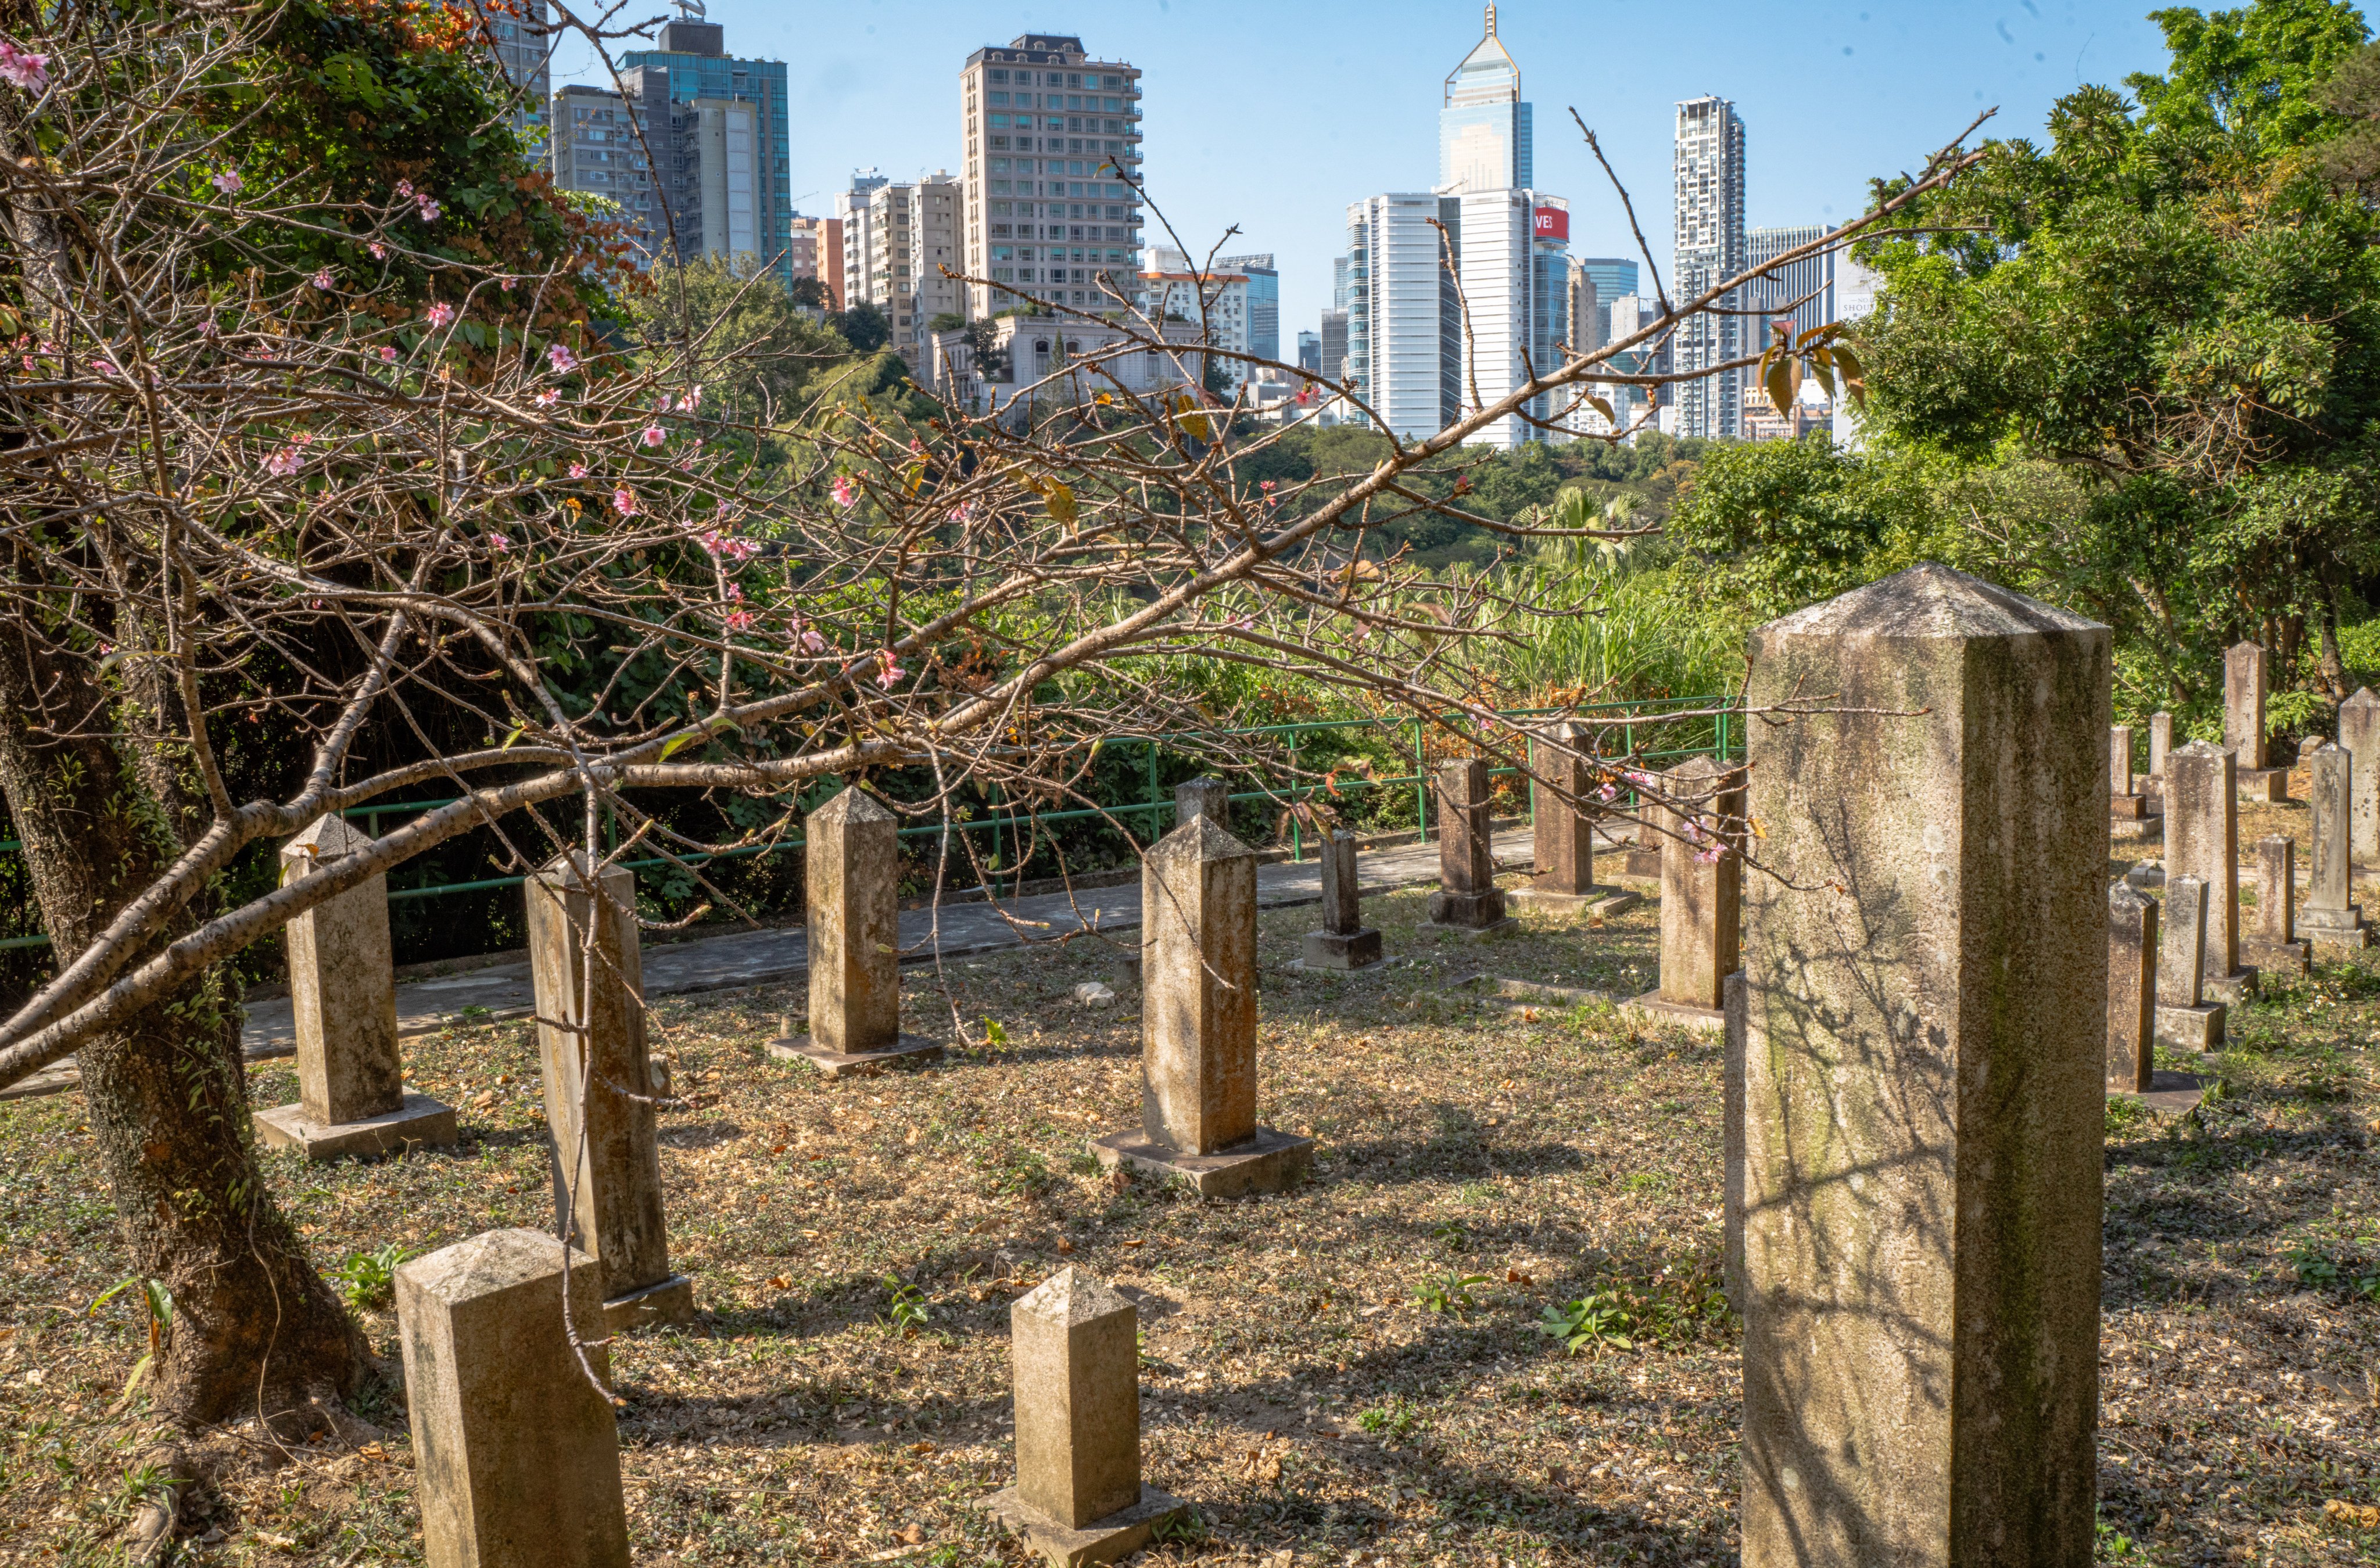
x=758, y=358
x=864, y=327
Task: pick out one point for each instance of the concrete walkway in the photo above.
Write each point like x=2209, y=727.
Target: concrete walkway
x=744, y=958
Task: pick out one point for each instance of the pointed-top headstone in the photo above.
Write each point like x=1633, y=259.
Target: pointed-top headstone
x=2243, y=704
x=2359, y=734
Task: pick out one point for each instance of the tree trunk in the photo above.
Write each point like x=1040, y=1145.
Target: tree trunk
x=254, y=1327
x=2333, y=667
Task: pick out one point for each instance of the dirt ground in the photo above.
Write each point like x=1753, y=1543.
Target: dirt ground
x=1349, y=1374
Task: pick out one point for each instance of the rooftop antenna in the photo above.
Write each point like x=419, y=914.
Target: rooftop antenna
x=695, y=10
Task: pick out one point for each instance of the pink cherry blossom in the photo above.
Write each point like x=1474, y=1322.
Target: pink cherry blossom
x=228, y=182
x=500, y=544
x=740, y=620
x=103, y=367
x=379, y=252
x=692, y=400
x=655, y=435
x=664, y=405
x=560, y=359
x=387, y=355
x=405, y=190
x=29, y=72
x=843, y=491
x=547, y=398
x=623, y=501
x=284, y=463
x=812, y=642
x=429, y=209
x=441, y=314
x=504, y=284
x=322, y=279
x=890, y=674
x=579, y=470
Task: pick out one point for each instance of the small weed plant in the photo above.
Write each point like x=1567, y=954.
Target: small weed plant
x=1671, y=1306
x=368, y=1279
x=1450, y=1292
x=1394, y=1421
x=907, y=1312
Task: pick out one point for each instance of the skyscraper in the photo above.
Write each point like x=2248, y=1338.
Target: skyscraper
x=1048, y=132
x=719, y=129
x=898, y=236
x=595, y=150
x=1516, y=281
x=1613, y=276
x=519, y=38
x=1485, y=137
x=1334, y=346
x=1309, y=351
x=1405, y=329
x=1810, y=280
x=1264, y=301
x=1711, y=247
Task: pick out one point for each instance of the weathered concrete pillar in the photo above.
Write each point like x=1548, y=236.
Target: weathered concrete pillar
x=2358, y=735
x=1203, y=796
x=2331, y=916
x=1198, y=1024
x=2272, y=941
x=2185, y=1019
x=515, y=1457
x=1564, y=834
x=2127, y=804
x=1738, y=996
x=2201, y=840
x=1344, y=941
x=1702, y=882
x=351, y=1093
x=851, y=865
x=2160, y=743
x=1075, y=1354
x=587, y=965
x=1467, y=902
x=2132, y=990
x=1923, y=1065
x=2243, y=724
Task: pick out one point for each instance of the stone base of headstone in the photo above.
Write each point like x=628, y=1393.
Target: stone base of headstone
x=2198, y=1029
x=1102, y=1541
x=2335, y=927
x=1126, y=968
x=2290, y=957
x=2168, y=1094
x=1271, y=1161
x=2263, y=785
x=910, y=1049
x=672, y=1301
x=2128, y=807
x=1644, y=864
x=2236, y=989
x=1653, y=1009
x=1475, y=911
x=1336, y=950
x=2146, y=878
x=1596, y=904
x=419, y=1123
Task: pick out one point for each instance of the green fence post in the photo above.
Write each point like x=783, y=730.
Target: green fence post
x=1296, y=836
x=1421, y=783
x=1156, y=797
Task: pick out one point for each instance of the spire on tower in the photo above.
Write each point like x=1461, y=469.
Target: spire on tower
x=1492, y=19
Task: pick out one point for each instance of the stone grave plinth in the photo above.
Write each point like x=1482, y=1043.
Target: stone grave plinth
x=1467, y=903
x=852, y=874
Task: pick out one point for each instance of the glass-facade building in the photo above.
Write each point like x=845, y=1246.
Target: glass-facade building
x=1264, y=301
x=726, y=180
x=1486, y=139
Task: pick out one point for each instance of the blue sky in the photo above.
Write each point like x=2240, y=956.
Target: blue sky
x=1274, y=116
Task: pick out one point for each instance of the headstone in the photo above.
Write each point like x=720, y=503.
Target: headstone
x=1924, y=1129
x=2243, y=724
x=1202, y=796
x=2160, y=743
x=852, y=855
x=1075, y=1354
x=351, y=1093
x=2127, y=804
x=2358, y=735
x=587, y=965
x=2201, y=840
x=1467, y=901
x=2331, y=916
x=1198, y=1024
x=1738, y=999
x=2131, y=991
x=1702, y=880
x=1344, y=941
x=516, y=1455
x=1564, y=833
x=2271, y=941
x=2185, y=1019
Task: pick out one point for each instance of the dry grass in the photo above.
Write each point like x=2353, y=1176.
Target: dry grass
x=1490, y=1160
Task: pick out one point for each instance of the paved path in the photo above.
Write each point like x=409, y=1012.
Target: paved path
x=764, y=957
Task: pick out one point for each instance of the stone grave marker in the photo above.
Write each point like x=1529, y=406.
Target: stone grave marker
x=1344, y=941
x=2201, y=840
x=2359, y=736
x=1924, y=1127
x=2330, y=914
x=516, y=1455
x=587, y=965
x=1074, y=1356
x=1468, y=901
x=2185, y=1019
x=1563, y=834
x=1198, y=1024
x=1702, y=882
x=2272, y=941
x=2131, y=991
x=852, y=867
x=1203, y=796
x=351, y=1093
x=2243, y=724
x=2160, y=743
x=2127, y=803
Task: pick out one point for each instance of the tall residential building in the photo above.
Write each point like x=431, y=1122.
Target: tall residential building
x=1334, y=345
x=1404, y=327
x=1309, y=351
x=723, y=177
x=1216, y=303
x=1050, y=134
x=595, y=150
x=1264, y=301
x=1810, y=280
x=517, y=34
x=898, y=239
x=1485, y=137
x=1515, y=272
x=1339, y=282
x=1587, y=319
x=815, y=250
x=1711, y=247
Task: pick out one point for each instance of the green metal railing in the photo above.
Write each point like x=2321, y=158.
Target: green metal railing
x=1726, y=744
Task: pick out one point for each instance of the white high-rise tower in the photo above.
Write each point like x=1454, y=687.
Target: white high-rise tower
x=1711, y=248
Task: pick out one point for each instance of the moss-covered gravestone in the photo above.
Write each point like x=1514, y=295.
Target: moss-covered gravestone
x=1924, y=1046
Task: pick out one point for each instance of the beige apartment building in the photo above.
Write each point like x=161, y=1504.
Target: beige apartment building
x=898, y=239
x=1051, y=137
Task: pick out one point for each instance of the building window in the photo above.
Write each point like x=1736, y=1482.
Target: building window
x=998, y=74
